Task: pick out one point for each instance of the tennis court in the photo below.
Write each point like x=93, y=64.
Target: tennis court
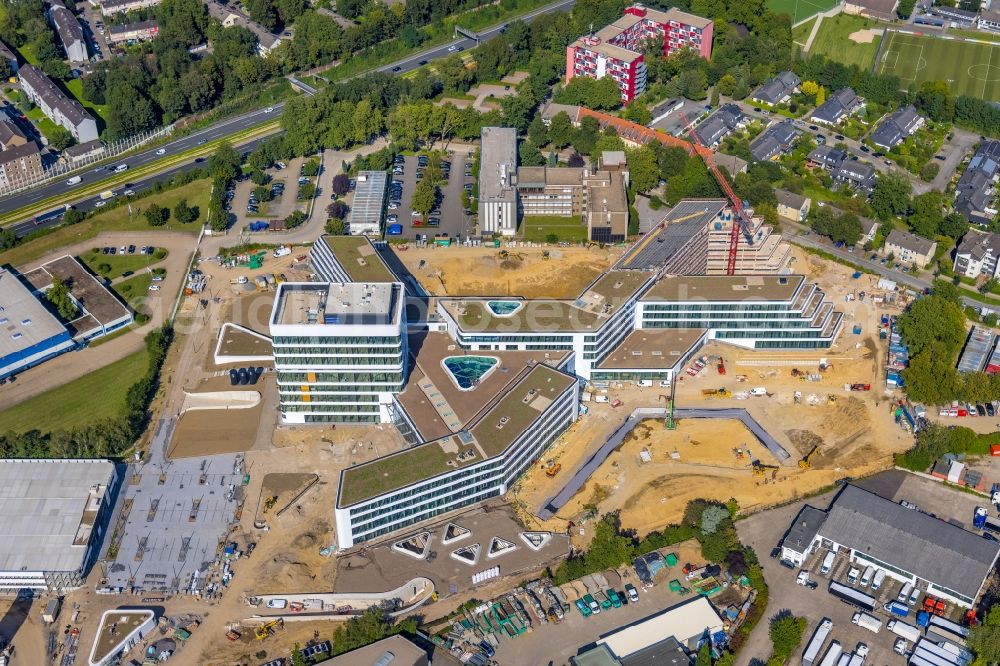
x=800, y=10
x=970, y=68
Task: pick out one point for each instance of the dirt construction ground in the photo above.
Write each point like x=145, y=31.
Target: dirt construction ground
x=854, y=434
x=479, y=271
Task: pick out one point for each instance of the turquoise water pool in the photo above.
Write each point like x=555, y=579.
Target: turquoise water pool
x=504, y=308
x=468, y=370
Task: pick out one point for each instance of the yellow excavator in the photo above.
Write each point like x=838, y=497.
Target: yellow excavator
x=760, y=469
x=270, y=502
x=268, y=628
x=806, y=462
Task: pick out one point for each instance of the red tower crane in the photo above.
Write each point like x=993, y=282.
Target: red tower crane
x=742, y=222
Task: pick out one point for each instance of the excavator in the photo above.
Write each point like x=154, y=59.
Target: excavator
x=268, y=628
x=760, y=469
x=270, y=502
x=806, y=462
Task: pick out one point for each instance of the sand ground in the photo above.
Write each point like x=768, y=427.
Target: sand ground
x=480, y=271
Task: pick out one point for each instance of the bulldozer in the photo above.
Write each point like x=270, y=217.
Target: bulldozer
x=270, y=502
x=806, y=462
x=268, y=628
x=505, y=254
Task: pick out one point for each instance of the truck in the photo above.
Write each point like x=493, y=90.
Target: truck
x=816, y=643
x=860, y=387
x=896, y=608
x=979, y=517
x=832, y=654
x=866, y=577
x=904, y=593
x=877, y=580
x=852, y=575
x=107, y=194
x=758, y=392
x=827, y=563
x=948, y=626
x=616, y=601
x=903, y=630
x=866, y=621
x=595, y=607
x=852, y=596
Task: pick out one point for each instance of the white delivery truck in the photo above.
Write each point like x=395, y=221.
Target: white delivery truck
x=877, y=580
x=903, y=630
x=832, y=654
x=827, y=563
x=904, y=594
x=869, y=622
x=866, y=577
x=811, y=652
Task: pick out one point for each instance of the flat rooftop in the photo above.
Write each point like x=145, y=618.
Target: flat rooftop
x=498, y=163
x=333, y=303
x=359, y=258
x=475, y=315
x=503, y=421
x=24, y=321
x=652, y=348
x=724, y=288
x=99, y=301
x=614, y=288
x=48, y=510
x=115, y=628
x=683, y=222
x=369, y=197
x=436, y=404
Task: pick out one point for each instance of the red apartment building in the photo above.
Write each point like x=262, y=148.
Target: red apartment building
x=615, y=49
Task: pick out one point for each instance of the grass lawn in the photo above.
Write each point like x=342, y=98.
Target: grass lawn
x=135, y=289
x=983, y=35
x=97, y=395
x=800, y=9
x=44, y=125
x=968, y=67
x=833, y=40
x=119, y=263
x=75, y=88
x=801, y=33
x=28, y=53
x=537, y=228
x=116, y=219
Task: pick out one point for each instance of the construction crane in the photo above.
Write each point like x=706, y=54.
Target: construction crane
x=806, y=462
x=742, y=222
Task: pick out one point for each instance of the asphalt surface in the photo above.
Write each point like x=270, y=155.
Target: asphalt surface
x=232, y=126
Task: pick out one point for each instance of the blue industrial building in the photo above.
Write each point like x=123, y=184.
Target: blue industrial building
x=29, y=333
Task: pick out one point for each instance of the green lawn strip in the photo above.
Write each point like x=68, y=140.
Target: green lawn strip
x=28, y=53
x=96, y=395
x=134, y=290
x=116, y=219
x=39, y=120
x=974, y=34
x=537, y=228
x=75, y=88
x=833, y=40
x=120, y=263
x=801, y=33
x=134, y=174
x=799, y=9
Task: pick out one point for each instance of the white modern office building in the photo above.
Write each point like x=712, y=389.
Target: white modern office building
x=497, y=186
x=476, y=463
x=339, y=350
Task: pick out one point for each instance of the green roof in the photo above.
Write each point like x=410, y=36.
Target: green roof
x=536, y=315
x=542, y=383
x=359, y=258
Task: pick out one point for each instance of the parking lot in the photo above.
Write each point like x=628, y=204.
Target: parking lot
x=764, y=531
x=285, y=188
x=452, y=218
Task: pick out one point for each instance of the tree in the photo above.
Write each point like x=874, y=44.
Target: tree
x=8, y=239
x=335, y=227
x=844, y=228
x=224, y=163
x=929, y=171
x=712, y=517
x=726, y=85
x=933, y=319
x=341, y=184
x=985, y=639
x=598, y=94
x=643, y=169
x=59, y=296
x=905, y=8
x=561, y=130
x=786, y=634
x=156, y=215
x=311, y=167
x=60, y=138
x=637, y=112
x=337, y=210
x=295, y=219
x=185, y=214
x=704, y=655
x=954, y=225
x=926, y=214
x=891, y=195
x=694, y=84
x=262, y=193
x=576, y=161
x=425, y=196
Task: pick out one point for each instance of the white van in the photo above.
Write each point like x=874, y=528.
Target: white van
x=877, y=581
x=914, y=595
x=644, y=383
x=759, y=391
x=827, y=563
x=904, y=594
x=282, y=251
x=866, y=578
x=121, y=167
x=74, y=180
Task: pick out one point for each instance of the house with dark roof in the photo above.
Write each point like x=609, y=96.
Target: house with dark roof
x=894, y=129
x=857, y=174
x=732, y=163
x=69, y=31
x=909, y=546
x=978, y=254
x=775, y=141
x=837, y=107
x=909, y=248
x=989, y=19
x=57, y=107
x=777, y=90
x=975, y=194
x=8, y=55
x=826, y=157
x=792, y=206
x=724, y=120
x=954, y=14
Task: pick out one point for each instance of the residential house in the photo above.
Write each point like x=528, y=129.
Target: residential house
x=109, y=7
x=732, y=163
x=228, y=17
x=551, y=110
x=894, y=129
x=792, y=206
x=837, y=107
x=69, y=31
x=975, y=194
x=82, y=150
x=884, y=10
x=134, y=32
x=665, y=109
x=20, y=159
x=775, y=141
x=54, y=103
x=9, y=56
x=826, y=157
x=909, y=248
x=723, y=121
x=977, y=255
x=777, y=90
x=857, y=174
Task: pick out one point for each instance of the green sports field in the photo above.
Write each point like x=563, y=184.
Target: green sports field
x=800, y=10
x=969, y=68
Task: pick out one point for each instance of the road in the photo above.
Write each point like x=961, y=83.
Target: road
x=235, y=125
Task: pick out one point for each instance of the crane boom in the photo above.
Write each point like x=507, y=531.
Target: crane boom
x=742, y=222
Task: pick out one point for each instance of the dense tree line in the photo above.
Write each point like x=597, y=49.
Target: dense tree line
x=23, y=24
x=110, y=438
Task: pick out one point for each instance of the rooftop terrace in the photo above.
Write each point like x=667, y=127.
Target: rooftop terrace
x=359, y=258
x=652, y=348
x=724, y=288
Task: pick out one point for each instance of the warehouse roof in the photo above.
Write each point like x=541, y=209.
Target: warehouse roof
x=24, y=321
x=685, y=622
x=48, y=510
x=916, y=542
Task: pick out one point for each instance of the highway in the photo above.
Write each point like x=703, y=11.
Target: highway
x=225, y=128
